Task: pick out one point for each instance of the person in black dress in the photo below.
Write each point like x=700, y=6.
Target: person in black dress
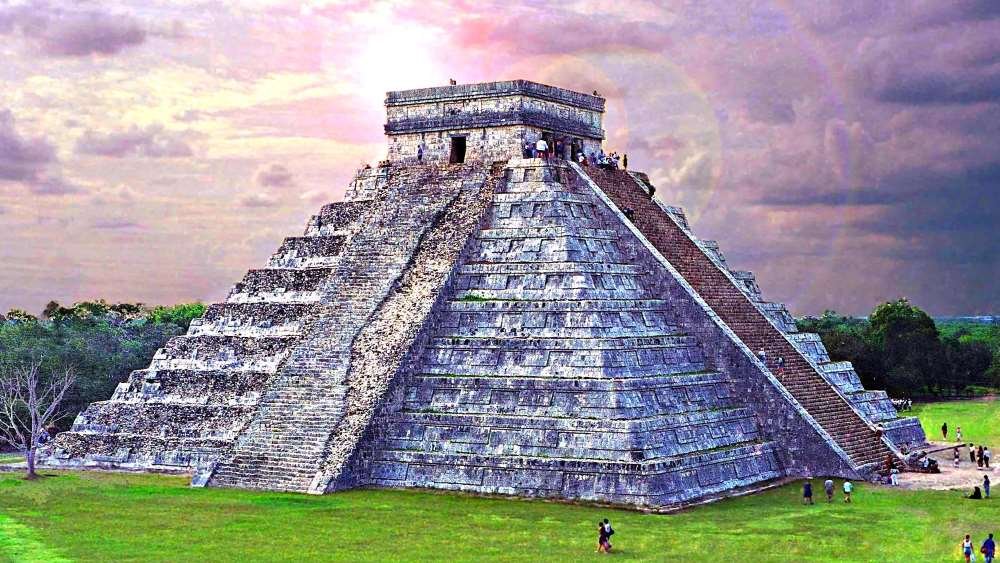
x=602, y=538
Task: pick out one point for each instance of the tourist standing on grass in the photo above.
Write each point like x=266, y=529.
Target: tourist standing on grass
x=967, y=548
x=609, y=531
x=989, y=549
x=602, y=538
x=807, y=492
x=944, y=431
x=848, y=487
x=986, y=485
x=828, y=487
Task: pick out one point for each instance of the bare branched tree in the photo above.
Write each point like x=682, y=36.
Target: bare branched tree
x=30, y=402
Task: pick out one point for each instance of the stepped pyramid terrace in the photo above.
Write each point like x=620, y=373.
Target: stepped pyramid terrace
x=474, y=320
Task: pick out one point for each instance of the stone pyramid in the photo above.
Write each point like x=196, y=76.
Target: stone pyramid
x=494, y=324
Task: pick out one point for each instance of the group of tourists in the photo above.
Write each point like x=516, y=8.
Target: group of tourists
x=828, y=488
x=979, y=455
x=541, y=149
x=546, y=150
x=902, y=404
x=988, y=549
x=605, y=161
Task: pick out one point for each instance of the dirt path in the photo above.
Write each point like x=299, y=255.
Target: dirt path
x=965, y=476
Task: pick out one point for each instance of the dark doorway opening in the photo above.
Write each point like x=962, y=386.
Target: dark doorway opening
x=457, y=150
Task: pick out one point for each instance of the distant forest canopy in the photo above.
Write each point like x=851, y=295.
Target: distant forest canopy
x=102, y=342
x=900, y=348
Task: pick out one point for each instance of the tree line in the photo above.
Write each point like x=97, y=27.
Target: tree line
x=899, y=348
x=100, y=342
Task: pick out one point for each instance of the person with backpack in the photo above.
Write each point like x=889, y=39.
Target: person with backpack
x=828, y=487
x=609, y=531
x=848, y=488
x=988, y=549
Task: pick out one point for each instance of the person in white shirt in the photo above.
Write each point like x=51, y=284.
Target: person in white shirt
x=848, y=487
x=541, y=149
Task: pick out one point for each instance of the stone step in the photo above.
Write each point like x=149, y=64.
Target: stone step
x=269, y=280
x=307, y=252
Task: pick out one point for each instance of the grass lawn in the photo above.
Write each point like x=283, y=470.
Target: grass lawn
x=979, y=419
x=106, y=516
x=102, y=516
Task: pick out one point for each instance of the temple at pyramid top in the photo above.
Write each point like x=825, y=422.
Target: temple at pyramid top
x=490, y=121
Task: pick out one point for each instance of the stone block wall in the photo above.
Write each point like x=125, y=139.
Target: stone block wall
x=553, y=345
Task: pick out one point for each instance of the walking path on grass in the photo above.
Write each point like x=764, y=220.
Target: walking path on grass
x=965, y=476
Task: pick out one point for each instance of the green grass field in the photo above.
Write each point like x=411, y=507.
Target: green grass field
x=100, y=517
x=979, y=419
x=104, y=516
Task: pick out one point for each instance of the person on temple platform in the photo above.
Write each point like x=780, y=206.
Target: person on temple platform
x=541, y=149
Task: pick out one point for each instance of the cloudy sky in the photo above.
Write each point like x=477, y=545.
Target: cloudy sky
x=847, y=153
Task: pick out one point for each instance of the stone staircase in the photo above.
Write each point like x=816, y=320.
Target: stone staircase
x=830, y=410
x=285, y=445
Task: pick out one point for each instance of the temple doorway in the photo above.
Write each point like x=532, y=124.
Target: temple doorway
x=457, y=150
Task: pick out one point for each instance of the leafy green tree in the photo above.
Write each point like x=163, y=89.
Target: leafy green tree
x=180, y=315
x=912, y=354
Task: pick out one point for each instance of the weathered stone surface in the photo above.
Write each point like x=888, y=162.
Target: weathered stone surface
x=497, y=328
x=494, y=119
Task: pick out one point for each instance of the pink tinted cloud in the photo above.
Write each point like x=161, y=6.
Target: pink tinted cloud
x=61, y=32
